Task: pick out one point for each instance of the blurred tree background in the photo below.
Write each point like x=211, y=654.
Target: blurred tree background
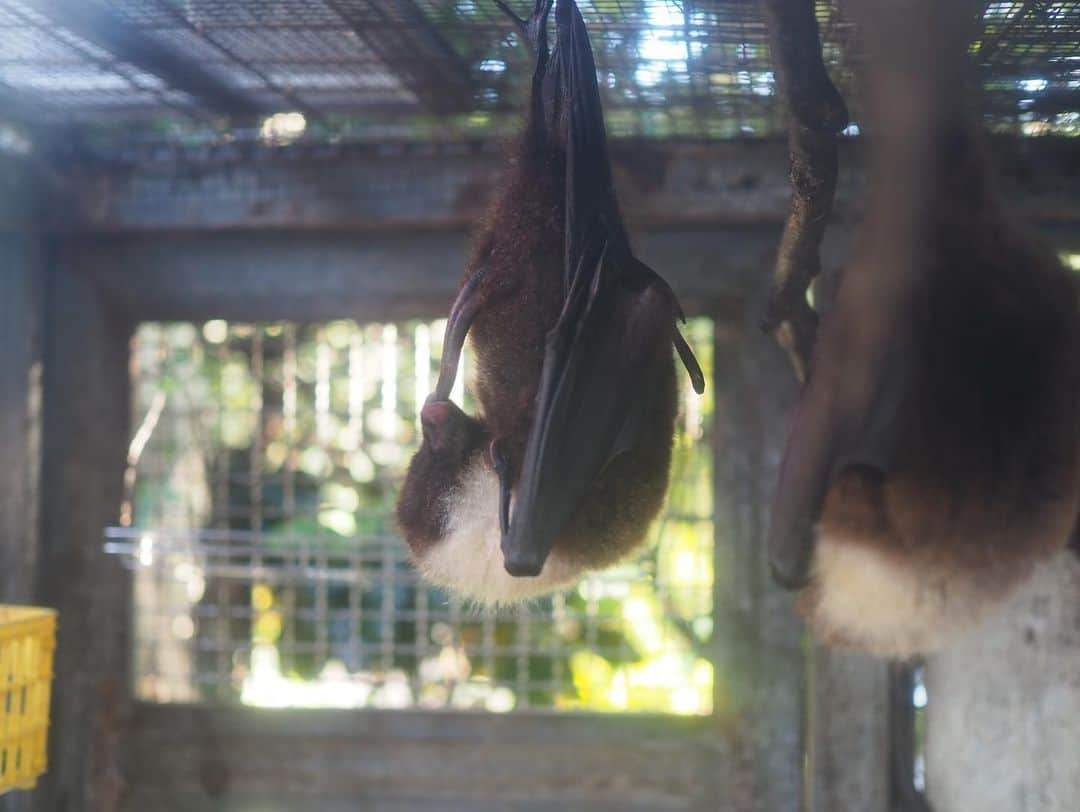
x=265, y=468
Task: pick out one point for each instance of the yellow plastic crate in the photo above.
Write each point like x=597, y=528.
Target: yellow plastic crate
x=27, y=641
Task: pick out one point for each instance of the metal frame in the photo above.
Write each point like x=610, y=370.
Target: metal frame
x=416, y=52
x=101, y=741
x=455, y=59
x=102, y=280
x=128, y=44
x=768, y=673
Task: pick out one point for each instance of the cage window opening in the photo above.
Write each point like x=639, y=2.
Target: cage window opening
x=250, y=591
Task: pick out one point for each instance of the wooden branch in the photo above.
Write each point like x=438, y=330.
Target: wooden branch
x=817, y=115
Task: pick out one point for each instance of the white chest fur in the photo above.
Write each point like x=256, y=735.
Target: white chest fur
x=469, y=558
x=887, y=608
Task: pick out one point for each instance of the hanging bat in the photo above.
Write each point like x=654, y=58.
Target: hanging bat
x=568, y=462
x=935, y=451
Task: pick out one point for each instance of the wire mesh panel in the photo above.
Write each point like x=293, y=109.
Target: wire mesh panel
x=57, y=72
x=425, y=68
x=259, y=521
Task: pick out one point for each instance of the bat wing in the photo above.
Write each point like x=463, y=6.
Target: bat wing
x=590, y=406
x=617, y=314
x=593, y=222
x=849, y=412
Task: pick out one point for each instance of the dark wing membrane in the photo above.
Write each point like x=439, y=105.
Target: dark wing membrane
x=577, y=120
x=591, y=205
x=588, y=406
x=616, y=313
x=805, y=473
x=850, y=410
x=580, y=404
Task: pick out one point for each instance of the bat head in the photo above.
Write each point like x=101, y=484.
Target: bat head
x=448, y=512
x=451, y=439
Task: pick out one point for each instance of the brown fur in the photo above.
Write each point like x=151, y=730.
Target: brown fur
x=520, y=246
x=421, y=512
x=520, y=249
x=986, y=476
x=616, y=513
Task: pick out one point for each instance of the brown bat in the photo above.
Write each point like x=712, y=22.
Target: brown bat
x=935, y=452
x=568, y=462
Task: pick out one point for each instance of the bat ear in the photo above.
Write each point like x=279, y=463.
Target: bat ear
x=437, y=419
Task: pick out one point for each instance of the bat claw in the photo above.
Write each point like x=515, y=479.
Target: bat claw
x=501, y=463
x=497, y=455
x=686, y=355
x=791, y=581
x=693, y=369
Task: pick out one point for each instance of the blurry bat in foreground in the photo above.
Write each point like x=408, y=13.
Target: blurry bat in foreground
x=935, y=452
x=568, y=462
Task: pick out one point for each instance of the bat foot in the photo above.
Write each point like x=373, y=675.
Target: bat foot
x=823, y=110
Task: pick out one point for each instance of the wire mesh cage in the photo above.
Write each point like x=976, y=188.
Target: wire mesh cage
x=268, y=570
x=359, y=69
x=27, y=642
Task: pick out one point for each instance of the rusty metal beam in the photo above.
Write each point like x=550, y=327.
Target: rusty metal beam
x=380, y=188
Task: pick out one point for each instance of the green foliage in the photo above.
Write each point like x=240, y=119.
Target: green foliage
x=304, y=432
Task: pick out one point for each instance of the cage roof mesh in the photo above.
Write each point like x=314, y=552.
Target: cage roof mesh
x=367, y=68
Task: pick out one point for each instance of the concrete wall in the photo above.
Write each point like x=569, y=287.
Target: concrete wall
x=1003, y=730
